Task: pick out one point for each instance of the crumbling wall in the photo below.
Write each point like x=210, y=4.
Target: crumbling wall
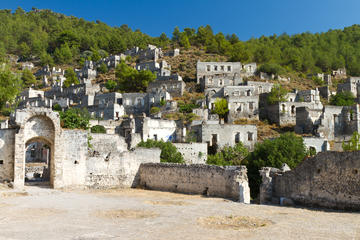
x=74, y=146
x=228, y=182
x=7, y=151
x=110, y=164
x=193, y=153
x=330, y=180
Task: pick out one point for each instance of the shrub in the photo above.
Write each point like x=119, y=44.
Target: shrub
x=271, y=68
x=75, y=118
x=57, y=107
x=342, y=99
x=221, y=107
x=162, y=102
x=111, y=85
x=98, y=129
x=277, y=94
x=187, y=108
x=154, y=110
x=102, y=68
x=288, y=148
x=229, y=156
x=353, y=144
x=169, y=153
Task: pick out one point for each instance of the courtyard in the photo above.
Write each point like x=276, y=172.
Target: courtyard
x=43, y=213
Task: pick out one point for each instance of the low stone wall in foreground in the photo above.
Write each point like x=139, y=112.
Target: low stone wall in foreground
x=330, y=180
x=227, y=182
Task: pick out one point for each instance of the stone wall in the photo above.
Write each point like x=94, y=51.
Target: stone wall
x=75, y=149
x=193, y=153
x=330, y=180
x=117, y=169
x=7, y=151
x=210, y=180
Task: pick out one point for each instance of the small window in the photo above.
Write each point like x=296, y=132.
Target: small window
x=283, y=108
x=222, y=68
x=155, y=137
x=208, y=68
x=293, y=108
x=237, y=137
x=229, y=68
x=251, y=105
x=215, y=68
x=221, y=82
x=250, y=136
x=248, y=93
x=239, y=108
x=1, y=162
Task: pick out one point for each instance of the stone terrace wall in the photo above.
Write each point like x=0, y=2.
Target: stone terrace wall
x=330, y=179
x=227, y=182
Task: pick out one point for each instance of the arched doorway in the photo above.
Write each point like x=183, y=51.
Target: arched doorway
x=38, y=155
x=37, y=161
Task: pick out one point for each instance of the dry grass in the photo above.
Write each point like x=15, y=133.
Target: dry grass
x=185, y=63
x=264, y=129
x=137, y=193
x=168, y=203
x=233, y=222
x=13, y=194
x=125, y=214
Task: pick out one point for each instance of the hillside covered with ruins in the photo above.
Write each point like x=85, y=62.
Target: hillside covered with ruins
x=201, y=97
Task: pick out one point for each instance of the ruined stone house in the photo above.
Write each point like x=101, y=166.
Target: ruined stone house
x=284, y=113
x=220, y=135
x=230, y=70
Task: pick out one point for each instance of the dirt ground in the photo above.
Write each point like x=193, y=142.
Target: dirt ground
x=42, y=213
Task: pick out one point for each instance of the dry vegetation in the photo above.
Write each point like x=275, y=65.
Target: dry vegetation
x=232, y=222
x=266, y=130
x=125, y=213
x=168, y=203
x=185, y=63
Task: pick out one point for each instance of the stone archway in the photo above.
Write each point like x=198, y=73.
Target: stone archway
x=38, y=124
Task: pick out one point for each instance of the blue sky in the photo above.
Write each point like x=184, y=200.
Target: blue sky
x=246, y=18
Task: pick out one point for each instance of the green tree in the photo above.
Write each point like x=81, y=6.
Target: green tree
x=71, y=78
x=46, y=59
x=229, y=156
x=176, y=34
x=28, y=78
x=75, y=118
x=111, y=85
x=221, y=107
x=102, y=68
x=130, y=80
x=342, y=99
x=10, y=87
x=63, y=54
x=353, y=144
x=288, y=148
x=184, y=41
x=95, y=55
x=169, y=153
x=277, y=94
